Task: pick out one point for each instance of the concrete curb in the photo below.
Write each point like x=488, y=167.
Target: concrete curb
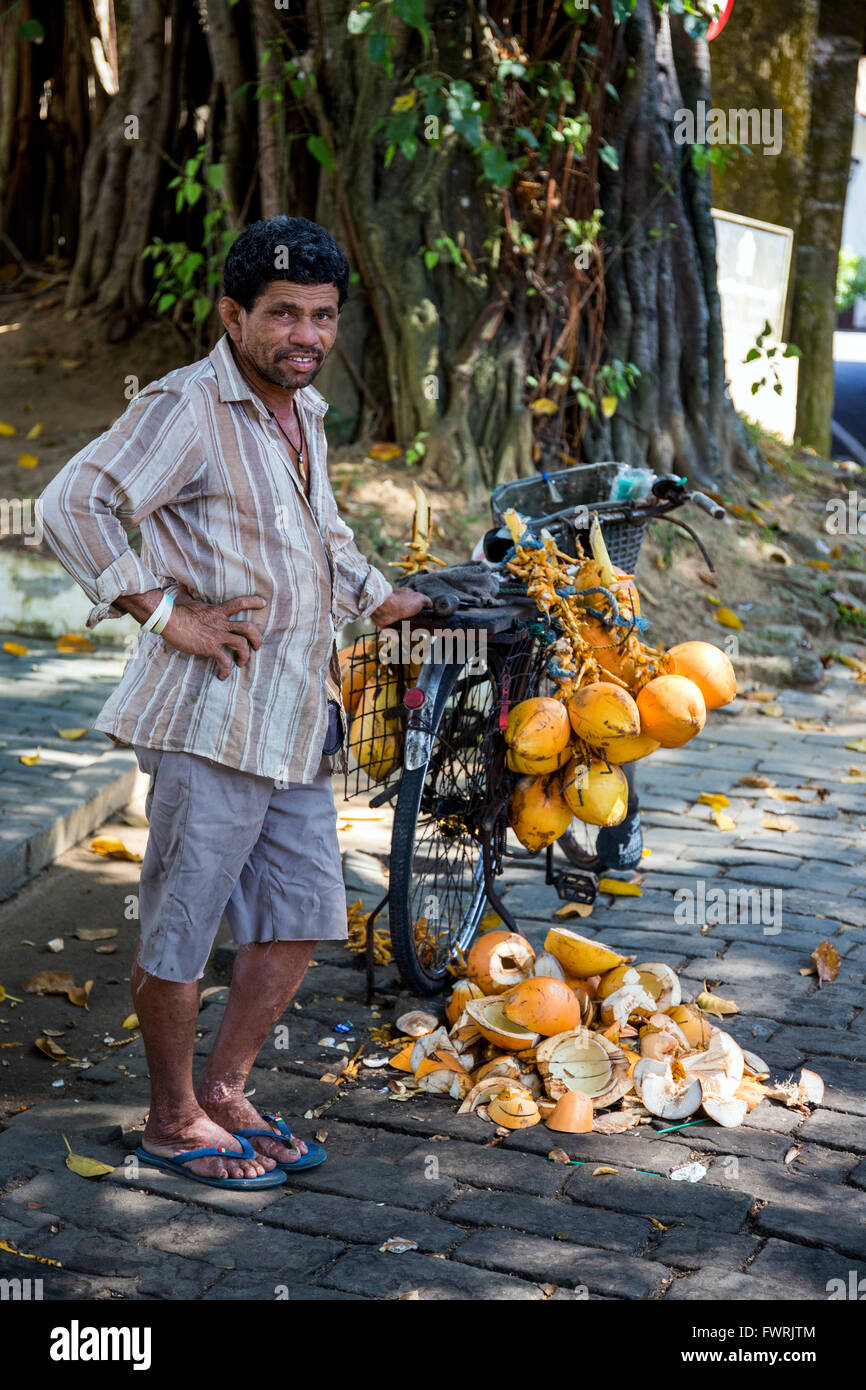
x=80, y=805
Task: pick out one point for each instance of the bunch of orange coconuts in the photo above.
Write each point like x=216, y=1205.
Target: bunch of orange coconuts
x=564, y=1036
x=570, y=747
x=370, y=689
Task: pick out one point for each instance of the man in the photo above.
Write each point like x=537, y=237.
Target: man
x=246, y=573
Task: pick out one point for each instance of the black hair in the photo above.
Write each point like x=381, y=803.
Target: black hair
x=284, y=248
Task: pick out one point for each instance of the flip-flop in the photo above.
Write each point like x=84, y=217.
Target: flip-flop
x=274, y=1178
x=311, y=1159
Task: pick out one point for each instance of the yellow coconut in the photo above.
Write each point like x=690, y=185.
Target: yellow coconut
x=359, y=672
x=538, y=728
x=628, y=750
x=672, y=710
x=537, y=812
x=596, y=793
x=603, y=715
x=578, y=955
x=498, y=960
x=546, y=1005
x=614, y=979
x=708, y=667
x=375, y=734
x=536, y=767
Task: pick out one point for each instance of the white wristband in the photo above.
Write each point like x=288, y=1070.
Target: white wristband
x=160, y=615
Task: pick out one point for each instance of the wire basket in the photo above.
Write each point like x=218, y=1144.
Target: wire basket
x=587, y=485
x=373, y=698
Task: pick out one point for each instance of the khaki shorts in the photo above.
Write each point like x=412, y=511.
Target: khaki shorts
x=224, y=841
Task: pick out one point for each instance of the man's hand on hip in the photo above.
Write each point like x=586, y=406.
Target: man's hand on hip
x=400, y=604
x=207, y=629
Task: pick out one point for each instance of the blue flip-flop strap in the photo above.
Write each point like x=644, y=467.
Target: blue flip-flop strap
x=281, y=1125
x=246, y=1152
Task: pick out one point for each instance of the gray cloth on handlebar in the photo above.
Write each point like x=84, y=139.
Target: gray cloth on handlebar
x=476, y=584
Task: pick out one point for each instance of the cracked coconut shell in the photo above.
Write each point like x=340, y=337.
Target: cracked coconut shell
x=581, y=1060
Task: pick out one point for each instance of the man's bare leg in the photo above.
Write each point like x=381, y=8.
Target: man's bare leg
x=265, y=977
x=168, y=1012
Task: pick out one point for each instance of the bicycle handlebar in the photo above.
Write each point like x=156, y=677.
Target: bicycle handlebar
x=714, y=509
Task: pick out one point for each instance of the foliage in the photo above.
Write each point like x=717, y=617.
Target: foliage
x=767, y=351
x=186, y=279
x=851, y=279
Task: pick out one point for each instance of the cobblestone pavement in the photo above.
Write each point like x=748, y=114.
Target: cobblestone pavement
x=53, y=803
x=779, y=1214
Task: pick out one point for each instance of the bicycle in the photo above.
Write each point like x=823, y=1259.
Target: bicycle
x=450, y=836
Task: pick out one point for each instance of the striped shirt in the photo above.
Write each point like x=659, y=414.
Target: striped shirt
x=199, y=464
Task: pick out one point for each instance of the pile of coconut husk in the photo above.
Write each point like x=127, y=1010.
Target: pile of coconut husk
x=583, y=1039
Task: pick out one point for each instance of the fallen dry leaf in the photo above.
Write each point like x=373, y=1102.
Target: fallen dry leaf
x=397, y=1245
x=51, y=1049
x=827, y=961
x=79, y=994
x=558, y=1156
x=112, y=849
x=654, y=1221
x=72, y=734
x=727, y=618
x=95, y=933
x=15, y=648
x=857, y=745
x=792, y=1153
x=49, y=982
x=11, y=1249
x=707, y=578
x=715, y=799
x=779, y=794
x=723, y=821
x=85, y=1167
x=715, y=1004
x=131, y=1021
x=753, y=780
x=29, y=759
x=783, y=823
x=602, y=1170
x=72, y=642
x=773, y=709
x=617, y=1123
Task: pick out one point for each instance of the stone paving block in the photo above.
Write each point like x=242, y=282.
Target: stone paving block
x=357, y=1222
x=808, y=1216
x=177, y=1188
x=388, y=1276
x=250, y=1288
x=63, y=1196
x=657, y=944
x=560, y=1262
x=403, y=1184
x=552, y=1217
x=359, y=1141
x=710, y=1286
x=234, y=1243
x=489, y=1168
x=809, y=1270
x=844, y=1083
x=836, y=1130
x=63, y=1286
x=809, y=1042
x=162, y=1275
x=637, y=1148
x=697, y=1245
x=659, y=1197
x=712, y=1139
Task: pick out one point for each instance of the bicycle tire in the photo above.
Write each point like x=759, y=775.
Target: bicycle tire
x=402, y=896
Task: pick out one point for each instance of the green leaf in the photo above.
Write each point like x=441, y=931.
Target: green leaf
x=201, y=307
x=216, y=175
x=319, y=150
x=498, y=168
x=792, y=351
x=32, y=30
x=164, y=302
x=431, y=259
x=526, y=134
x=751, y=355
x=767, y=329
x=379, y=50
x=608, y=155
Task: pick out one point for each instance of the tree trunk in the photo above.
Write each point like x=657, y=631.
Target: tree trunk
x=663, y=309
x=836, y=55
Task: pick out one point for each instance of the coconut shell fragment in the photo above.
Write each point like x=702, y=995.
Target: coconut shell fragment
x=581, y=1060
